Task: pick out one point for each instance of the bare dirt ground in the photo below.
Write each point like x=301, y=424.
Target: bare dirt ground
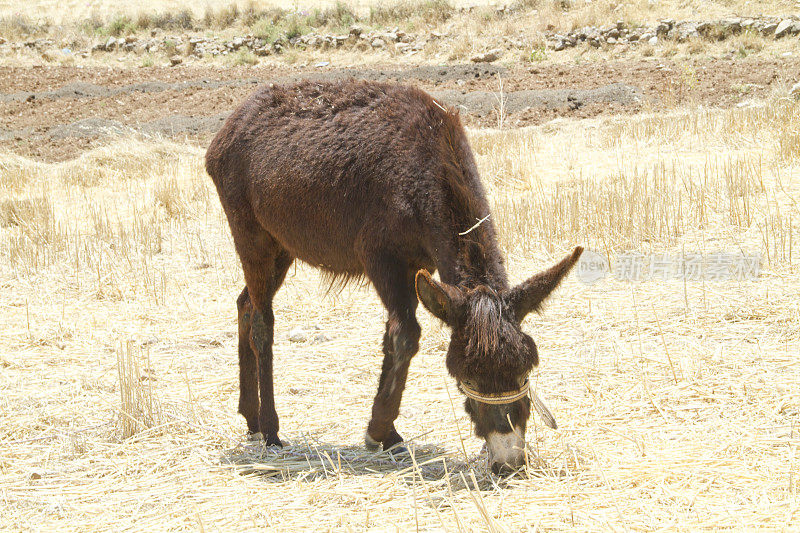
x=55, y=113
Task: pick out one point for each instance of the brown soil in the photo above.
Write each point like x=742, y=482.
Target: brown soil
x=56, y=113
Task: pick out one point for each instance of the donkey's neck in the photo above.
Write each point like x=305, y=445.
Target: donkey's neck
x=473, y=260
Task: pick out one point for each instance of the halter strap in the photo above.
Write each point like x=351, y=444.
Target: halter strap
x=495, y=399
x=511, y=397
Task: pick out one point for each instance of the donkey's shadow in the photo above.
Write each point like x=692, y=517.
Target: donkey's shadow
x=312, y=461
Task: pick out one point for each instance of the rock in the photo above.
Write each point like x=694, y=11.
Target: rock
x=784, y=28
x=175, y=61
x=611, y=40
x=684, y=31
x=487, y=57
x=653, y=40
x=795, y=91
x=298, y=335
x=322, y=64
x=733, y=25
x=377, y=42
x=560, y=45
x=356, y=30
x=110, y=44
x=320, y=337
x=769, y=28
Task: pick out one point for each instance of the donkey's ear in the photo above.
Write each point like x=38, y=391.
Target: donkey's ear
x=529, y=295
x=442, y=300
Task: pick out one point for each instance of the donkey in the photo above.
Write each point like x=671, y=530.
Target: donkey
x=377, y=180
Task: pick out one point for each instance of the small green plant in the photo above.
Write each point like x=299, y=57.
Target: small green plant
x=170, y=47
x=538, y=54
x=242, y=57
x=340, y=16
x=147, y=60
x=120, y=25
x=265, y=28
x=430, y=10
x=296, y=25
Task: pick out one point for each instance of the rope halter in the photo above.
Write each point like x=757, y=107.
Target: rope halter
x=495, y=399
x=511, y=397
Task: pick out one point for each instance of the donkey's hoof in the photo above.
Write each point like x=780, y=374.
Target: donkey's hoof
x=273, y=441
x=371, y=444
x=397, y=450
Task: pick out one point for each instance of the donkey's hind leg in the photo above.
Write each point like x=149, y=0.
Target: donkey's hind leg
x=248, y=366
x=265, y=263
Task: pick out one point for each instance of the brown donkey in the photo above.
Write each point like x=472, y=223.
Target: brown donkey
x=377, y=180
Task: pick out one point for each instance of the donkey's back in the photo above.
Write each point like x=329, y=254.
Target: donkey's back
x=329, y=169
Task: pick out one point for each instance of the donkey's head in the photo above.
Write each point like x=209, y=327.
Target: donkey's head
x=489, y=354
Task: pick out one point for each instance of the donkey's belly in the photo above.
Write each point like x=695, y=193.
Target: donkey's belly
x=321, y=240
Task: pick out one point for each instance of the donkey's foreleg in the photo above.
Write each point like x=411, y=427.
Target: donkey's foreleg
x=394, y=281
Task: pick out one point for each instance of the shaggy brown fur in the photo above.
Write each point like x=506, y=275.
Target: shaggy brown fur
x=378, y=180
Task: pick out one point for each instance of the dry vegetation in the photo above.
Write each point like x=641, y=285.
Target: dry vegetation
x=521, y=29
x=678, y=404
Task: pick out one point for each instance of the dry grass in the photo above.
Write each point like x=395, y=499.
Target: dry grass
x=677, y=403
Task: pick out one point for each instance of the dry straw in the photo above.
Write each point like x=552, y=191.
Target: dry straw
x=677, y=402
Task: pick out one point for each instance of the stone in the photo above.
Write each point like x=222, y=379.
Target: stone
x=795, y=91
x=174, y=61
x=110, y=44
x=653, y=40
x=684, y=31
x=611, y=40
x=487, y=57
x=769, y=28
x=298, y=335
x=784, y=28
x=377, y=42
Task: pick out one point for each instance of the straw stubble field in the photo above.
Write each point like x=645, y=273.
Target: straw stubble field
x=678, y=403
